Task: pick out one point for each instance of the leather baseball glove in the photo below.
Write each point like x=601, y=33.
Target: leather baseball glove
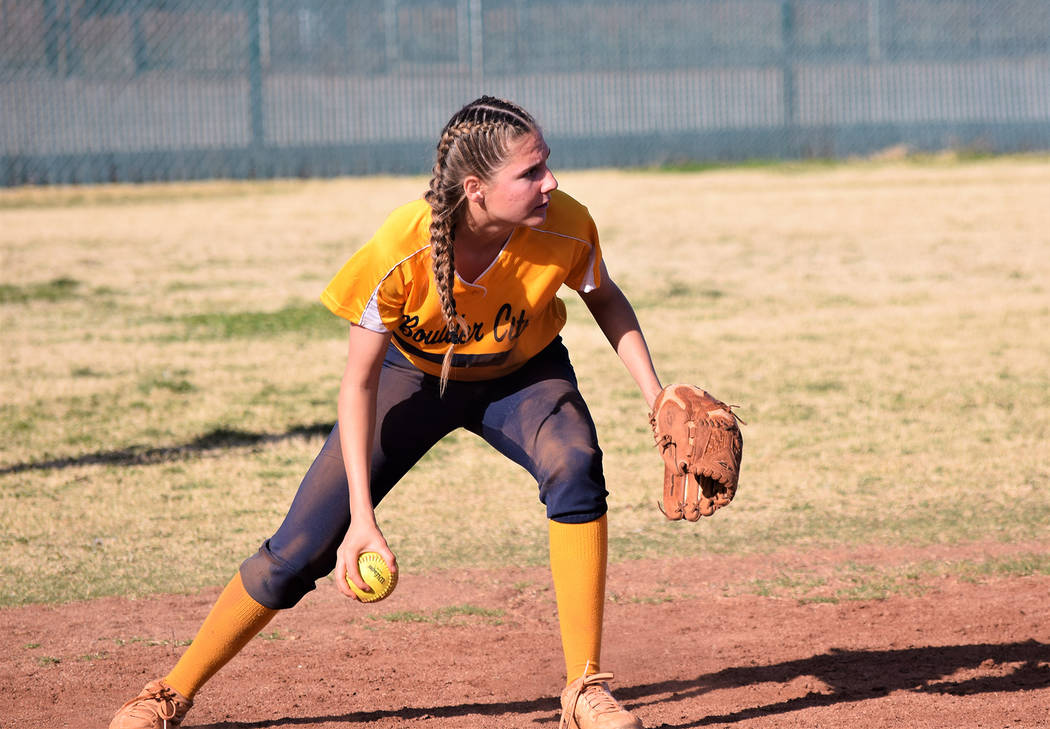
x=700, y=442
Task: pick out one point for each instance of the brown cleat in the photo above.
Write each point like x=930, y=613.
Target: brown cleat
x=159, y=706
x=587, y=704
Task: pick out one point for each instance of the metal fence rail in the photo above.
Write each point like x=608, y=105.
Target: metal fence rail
x=128, y=90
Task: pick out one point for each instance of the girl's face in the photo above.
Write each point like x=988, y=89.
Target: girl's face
x=519, y=191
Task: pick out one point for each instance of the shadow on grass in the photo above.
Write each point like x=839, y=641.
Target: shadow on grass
x=850, y=676
x=217, y=440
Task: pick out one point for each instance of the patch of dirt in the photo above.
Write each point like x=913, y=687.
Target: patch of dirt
x=480, y=649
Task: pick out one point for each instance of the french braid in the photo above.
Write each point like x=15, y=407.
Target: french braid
x=475, y=141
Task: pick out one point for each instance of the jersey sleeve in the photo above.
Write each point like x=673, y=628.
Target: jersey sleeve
x=371, y=288
x=585, y=273
x=362, y=297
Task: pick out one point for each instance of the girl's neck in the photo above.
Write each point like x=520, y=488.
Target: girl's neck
x=477, y=249
x=479, y=236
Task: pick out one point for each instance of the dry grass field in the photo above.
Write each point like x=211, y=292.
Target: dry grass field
x=167, y=373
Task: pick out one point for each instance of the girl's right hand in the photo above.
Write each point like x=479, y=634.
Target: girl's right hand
x=360, y=538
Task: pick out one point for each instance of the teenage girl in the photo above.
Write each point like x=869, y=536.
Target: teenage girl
x=454, y=323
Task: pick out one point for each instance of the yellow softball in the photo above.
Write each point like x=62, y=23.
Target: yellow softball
x=376, y=575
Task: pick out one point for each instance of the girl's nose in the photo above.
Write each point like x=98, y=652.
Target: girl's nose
x=550, y=183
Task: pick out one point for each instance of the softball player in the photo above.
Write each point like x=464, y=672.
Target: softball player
x=454, y=324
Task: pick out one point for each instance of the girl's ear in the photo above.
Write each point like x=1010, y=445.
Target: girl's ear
x=474, y=189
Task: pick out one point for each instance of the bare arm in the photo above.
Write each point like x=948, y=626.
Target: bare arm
x=616, y=318
x=357, y=413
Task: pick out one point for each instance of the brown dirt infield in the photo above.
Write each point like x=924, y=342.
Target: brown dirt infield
x=689, y=649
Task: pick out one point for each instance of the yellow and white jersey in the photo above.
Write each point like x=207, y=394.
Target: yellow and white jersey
x=511, y=309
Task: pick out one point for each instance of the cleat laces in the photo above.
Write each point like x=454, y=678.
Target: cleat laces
x=156, y=700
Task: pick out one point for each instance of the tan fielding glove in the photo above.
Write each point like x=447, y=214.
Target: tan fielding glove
x=701, y=444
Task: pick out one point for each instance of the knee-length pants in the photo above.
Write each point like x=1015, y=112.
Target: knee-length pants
x=535, y=416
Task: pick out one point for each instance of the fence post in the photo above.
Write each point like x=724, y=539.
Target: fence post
x=391, y=42
x=787, y=68
x=874, y=31
x=56, y=38
x=255, y=86
x=463, y=36
x=477, y=41
x=138, y=39
x=888, y=28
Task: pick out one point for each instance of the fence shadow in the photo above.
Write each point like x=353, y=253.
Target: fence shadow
x=849, y=676
x=216, y=440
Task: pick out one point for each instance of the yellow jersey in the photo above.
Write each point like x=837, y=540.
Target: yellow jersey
x=512, y=309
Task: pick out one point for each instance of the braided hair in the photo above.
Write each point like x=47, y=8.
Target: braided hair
x=475, y=141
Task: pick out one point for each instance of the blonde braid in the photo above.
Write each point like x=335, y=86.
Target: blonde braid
x=442, y=235
x=474, y=142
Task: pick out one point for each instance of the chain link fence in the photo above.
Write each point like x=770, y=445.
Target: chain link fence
x=132, y=90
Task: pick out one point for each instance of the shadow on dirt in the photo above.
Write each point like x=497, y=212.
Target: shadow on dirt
x=217, y=440
x=849, y=676
x=860, y=675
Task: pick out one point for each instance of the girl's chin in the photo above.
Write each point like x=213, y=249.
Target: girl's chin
x=537, y=216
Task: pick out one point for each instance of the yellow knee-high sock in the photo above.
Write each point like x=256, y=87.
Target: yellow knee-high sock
x=578, y=557
x=234, y=620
